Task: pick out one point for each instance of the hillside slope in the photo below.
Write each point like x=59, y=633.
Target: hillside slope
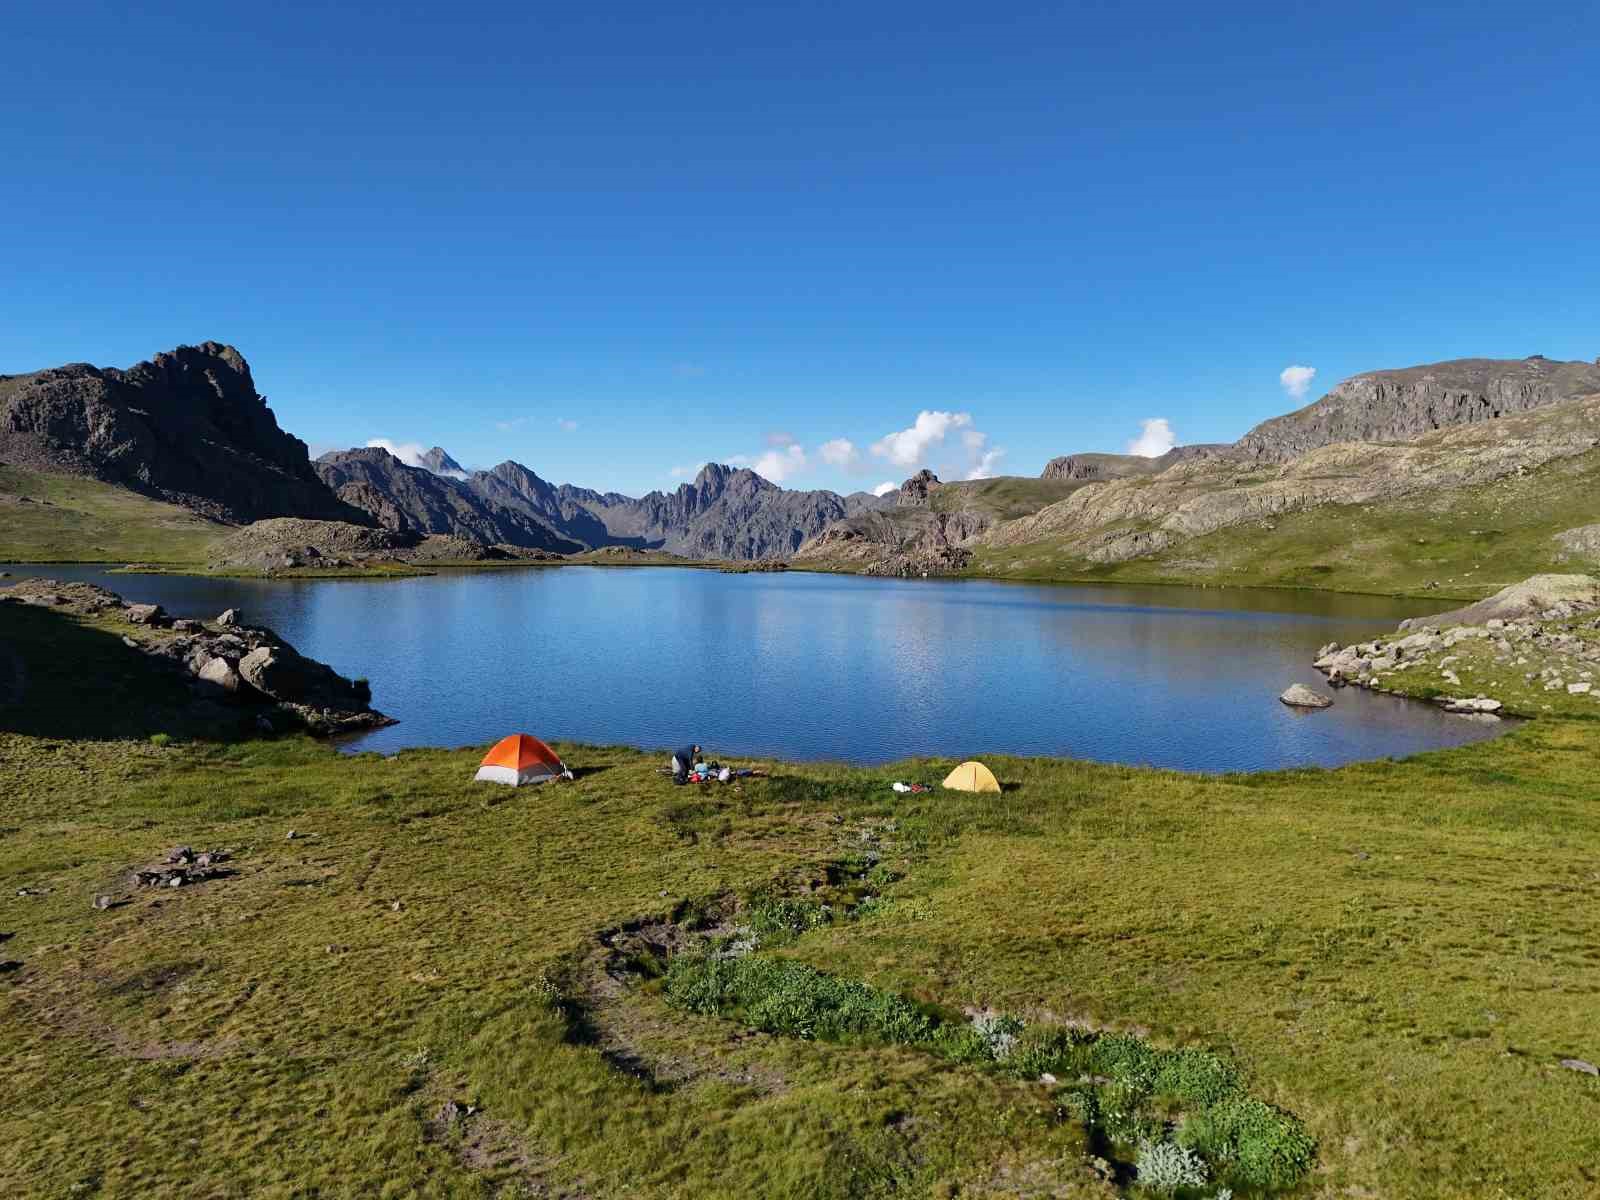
x=71, y=518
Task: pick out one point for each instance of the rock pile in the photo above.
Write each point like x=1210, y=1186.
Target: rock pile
x=182, y=866
x=225, y=660
x=1527, y=645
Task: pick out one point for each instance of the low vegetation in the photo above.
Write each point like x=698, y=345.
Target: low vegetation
x=419, y=992
x=64, y=518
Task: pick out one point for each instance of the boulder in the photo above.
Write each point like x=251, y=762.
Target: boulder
x=220, y=673
x=1538, y=596
x=146, y=614
x=1300, y=696
x=287, y=676
x=229, y=617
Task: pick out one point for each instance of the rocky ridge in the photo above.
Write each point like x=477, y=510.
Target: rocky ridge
x=1123, y=519
x=187, y=427
x=408, y=499
x=1399, y=405
x=238, y=673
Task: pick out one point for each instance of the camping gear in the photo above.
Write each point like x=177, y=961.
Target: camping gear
x=972, y=777
x=910, y=787
x=519, y=759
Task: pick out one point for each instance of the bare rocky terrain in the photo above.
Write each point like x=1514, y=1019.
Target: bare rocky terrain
x=287, y=544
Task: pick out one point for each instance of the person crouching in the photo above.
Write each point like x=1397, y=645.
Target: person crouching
x=683, y=762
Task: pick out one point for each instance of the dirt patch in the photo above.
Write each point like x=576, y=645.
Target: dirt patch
x=628, y=1030
x=487, y=1145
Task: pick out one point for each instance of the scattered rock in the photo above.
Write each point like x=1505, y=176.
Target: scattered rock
x=102, y=902
x=1477, y=704
x=9, y=965
x=397, y=906
x=228, y=618
x=290, y=836
x=146, y=614
x=182, y=865
x=1300, y=696
x=220, y=673
x=1577, y=1064
x=1579, y=689
x=185, y=625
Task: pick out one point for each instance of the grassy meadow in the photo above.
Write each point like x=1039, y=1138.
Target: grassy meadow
x=1392, y=958
x=64, y=518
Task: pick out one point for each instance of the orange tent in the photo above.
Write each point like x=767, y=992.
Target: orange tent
x=520, y=759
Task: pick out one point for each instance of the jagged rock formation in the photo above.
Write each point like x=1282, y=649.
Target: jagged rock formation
x=900, y=541
x=187, y=427
x=1397, y=406
x=725, y=513
x=916, y=491
x=511, y=485
x=413, y=499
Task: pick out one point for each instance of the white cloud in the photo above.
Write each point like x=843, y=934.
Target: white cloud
x=1296, y=380
x=513, y=423
x=884, y=488
x=779, y=438
x=840, y=452
x=775, y=465
x=908, y=447
x=681, y=472
x=409, y=453
x=984, y=467
x=1155, y=438
x=566, y=425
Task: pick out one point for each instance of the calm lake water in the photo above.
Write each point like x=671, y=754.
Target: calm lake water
x=804, y=666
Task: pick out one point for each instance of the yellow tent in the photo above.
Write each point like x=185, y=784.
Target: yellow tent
x=972, y=777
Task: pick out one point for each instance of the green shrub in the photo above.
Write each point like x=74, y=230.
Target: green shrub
x=1260, y=1145
x=781, y=920
x=1195, y=1076
x=161, y=739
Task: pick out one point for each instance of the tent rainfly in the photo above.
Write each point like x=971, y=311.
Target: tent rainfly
x=521, y=759
x=972, y=777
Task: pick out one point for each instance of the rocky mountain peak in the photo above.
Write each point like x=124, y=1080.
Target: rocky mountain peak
x=188, y=426
x=915, y=491
x=440, y=463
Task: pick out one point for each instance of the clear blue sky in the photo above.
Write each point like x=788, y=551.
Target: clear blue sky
x=692, y=229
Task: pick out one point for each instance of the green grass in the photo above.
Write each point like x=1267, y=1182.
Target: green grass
x=1397, y=954
x=1004, y=497
x=68, y=519
x=1462, y=543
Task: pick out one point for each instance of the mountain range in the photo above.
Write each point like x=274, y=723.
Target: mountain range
x=188, y=428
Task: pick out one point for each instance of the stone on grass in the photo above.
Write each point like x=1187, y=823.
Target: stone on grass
x=102, y=902
x=145, y=614
x=1300, y=696
x=1579, y=689
x=1577, y=1064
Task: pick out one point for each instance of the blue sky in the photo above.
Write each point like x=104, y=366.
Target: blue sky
x=611, y=241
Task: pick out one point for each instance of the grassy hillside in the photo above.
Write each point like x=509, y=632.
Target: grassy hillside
x=1003, y=497
x=1398, y=955
x=1456, y=543
x=62, y=518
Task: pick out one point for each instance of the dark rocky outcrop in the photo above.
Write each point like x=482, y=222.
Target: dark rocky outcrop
x=440, y=463
x=1398, y=406
x=408, y=499
x=916, y=491
x=187, y=427
x=249, y=669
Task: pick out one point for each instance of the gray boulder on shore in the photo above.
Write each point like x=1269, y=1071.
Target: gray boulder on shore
x=1300, y=696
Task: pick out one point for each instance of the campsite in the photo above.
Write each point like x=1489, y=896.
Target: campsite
x=805, y=981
